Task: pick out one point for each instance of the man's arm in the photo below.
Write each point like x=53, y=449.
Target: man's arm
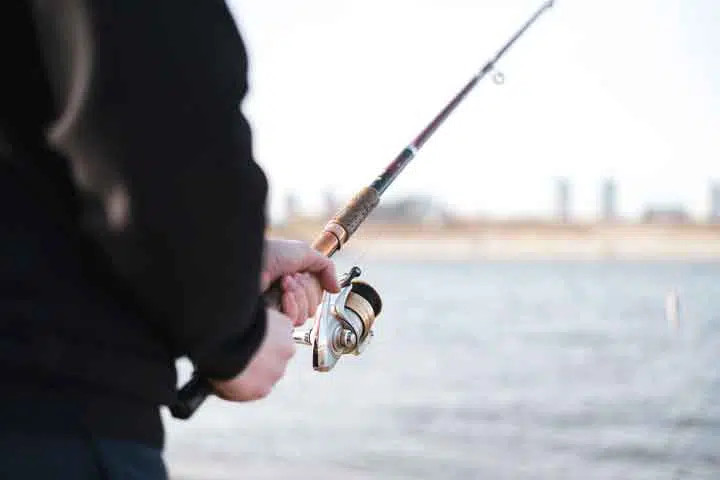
x=150, y=120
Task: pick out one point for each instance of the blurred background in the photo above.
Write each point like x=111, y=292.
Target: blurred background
x=548, y=263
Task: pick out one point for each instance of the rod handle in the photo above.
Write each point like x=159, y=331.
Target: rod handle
x=197, y=389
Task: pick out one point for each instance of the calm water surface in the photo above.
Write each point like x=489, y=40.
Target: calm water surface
x=492, y=371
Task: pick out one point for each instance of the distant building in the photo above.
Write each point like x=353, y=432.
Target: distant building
x=291, y=207
x=413, y=210
x=562, y=199
x=714, y=214
x=609, y=200
x=330, y=204
x=667, y=215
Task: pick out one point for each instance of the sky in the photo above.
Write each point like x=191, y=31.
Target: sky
x=628, y=89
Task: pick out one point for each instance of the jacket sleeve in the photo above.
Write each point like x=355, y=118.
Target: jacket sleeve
x=149, y=94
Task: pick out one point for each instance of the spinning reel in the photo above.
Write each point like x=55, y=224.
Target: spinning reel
x=343, y=322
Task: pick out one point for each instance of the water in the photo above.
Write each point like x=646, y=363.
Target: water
x=492, y=371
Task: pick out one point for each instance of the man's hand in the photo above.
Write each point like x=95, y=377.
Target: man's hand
x=267, y=365
x=304, y=273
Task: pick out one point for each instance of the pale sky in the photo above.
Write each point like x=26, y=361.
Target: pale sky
x=622, y=88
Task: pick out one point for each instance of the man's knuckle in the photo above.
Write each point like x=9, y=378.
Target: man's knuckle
x=263, y=391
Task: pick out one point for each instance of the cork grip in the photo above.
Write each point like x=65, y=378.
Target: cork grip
x=357, y=210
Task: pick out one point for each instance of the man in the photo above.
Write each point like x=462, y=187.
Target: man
x=132, y=232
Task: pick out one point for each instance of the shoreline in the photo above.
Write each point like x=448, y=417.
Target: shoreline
x=524, y=241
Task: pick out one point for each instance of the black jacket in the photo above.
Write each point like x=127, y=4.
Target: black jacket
x=132, y=213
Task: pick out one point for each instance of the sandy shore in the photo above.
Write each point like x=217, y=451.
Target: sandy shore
x=524, y=241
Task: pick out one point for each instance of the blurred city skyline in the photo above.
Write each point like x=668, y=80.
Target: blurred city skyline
x=594, y=90
x=427, y=209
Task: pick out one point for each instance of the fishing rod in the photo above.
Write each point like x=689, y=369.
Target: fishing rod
x=343, y=323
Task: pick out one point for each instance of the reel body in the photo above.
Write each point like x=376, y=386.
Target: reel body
x=343, y=322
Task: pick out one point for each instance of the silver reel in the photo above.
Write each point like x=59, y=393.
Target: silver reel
x=343, y=322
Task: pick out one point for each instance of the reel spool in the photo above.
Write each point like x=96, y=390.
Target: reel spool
x=343, y=323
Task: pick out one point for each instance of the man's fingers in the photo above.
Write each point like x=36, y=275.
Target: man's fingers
x=289, y=303
x=328, y=279
x=287, y=259
x=321, y=266
x=324, y=270
x=313, y=291
x=300, y=299
x=290, y=307
x=310, y=292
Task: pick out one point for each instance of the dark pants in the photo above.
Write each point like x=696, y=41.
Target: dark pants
x=25, y=456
